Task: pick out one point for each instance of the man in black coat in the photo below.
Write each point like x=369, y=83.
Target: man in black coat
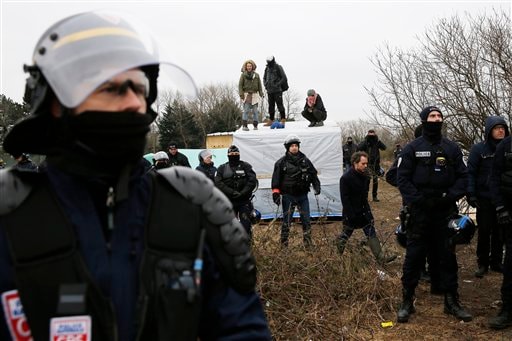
x=349, y=148
x=372, y=146
x=276, y=83
x=356, y=209
x=175, y=157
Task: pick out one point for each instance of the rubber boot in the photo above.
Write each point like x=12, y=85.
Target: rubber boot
x=255, y=124
x=244, y=124
x=308, y=243
x=406, y=307
x=503, y=319
x=340, y=245
x=452, y=307
x=374, y=245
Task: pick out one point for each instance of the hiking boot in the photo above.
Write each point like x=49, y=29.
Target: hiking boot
x=311, y=124
x=452, y=307
x=482, y=270
x=406, y=308
x=502, y=320
x=268, y=122
x=376, y=249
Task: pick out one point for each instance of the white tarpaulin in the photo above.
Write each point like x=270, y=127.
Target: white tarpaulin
x=322, y=145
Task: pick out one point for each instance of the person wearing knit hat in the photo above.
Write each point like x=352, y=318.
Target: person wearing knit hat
x=276, y=83
x=175, y=157
x=292, y=178
x=250, y=91
x=314, y=110
x=237, y=180
x=206, y=165
x=431, y=177
x=372, y=145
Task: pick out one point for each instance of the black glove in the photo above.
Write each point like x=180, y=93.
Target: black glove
x=317, y=191
x=503, y=215
x=277, y=198
x=473, y=201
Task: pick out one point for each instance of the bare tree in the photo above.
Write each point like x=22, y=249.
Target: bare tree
x=464, y=66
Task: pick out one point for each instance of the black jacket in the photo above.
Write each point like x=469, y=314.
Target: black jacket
x=274, y=78
x=236, y=181
x=354, y=198
x=294, y=175
x=207, y=169
x=372, y=147
x=178, y=160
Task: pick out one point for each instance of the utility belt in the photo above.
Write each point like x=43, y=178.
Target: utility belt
x=56, y=288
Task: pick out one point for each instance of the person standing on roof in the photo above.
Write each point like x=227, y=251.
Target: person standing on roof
x=276, y=83
x=250, y=91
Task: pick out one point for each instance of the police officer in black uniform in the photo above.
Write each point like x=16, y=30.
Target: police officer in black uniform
x=501, y=190
x=372, y=145
x=236, y=179
x=431, y=178
x=107, y=250
x=349, y=148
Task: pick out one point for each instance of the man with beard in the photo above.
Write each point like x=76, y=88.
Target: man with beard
x=431, y=178
x=357, y=213
x=95, y=244
x=372, y=146
x=292, y=178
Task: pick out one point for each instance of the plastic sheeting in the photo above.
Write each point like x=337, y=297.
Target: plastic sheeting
x=322, y=145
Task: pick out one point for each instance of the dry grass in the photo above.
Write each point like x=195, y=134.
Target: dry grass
x=318, y=295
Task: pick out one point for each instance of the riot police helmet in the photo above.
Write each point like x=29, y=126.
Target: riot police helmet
x=401, y=236
x=461, y=229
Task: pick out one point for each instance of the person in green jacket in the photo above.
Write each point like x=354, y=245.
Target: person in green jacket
x=250, y=90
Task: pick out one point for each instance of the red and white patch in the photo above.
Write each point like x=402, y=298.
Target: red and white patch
x=70, y=328
x=15, y=317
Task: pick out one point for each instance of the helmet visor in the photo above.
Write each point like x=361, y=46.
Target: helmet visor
x=79, y=53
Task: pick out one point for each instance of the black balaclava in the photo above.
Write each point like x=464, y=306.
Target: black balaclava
x=431, y=130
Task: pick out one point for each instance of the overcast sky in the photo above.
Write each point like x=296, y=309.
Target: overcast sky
x=324, y=45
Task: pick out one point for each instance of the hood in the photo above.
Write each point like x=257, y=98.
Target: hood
x=491, y=122
x=244, y=69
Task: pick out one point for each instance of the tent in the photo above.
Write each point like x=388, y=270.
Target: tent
x=322, y=145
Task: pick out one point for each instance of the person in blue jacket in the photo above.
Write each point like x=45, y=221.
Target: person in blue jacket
x=489, y=248
x=102, y=249
x=431, y=177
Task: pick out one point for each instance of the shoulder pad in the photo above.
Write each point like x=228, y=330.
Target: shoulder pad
x=231, y=242
x=13, y=191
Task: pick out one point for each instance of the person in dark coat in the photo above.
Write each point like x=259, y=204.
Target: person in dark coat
x=431, y=178
x=96, y=247
x=372, y=146
x=349, y=148
x=314, y=110
x=292, y=178
x=489, y=248
x=501, y=194
x=357, y=213
x=206, y=165
x=237, y=180
x=175, y=157
x=275, y=82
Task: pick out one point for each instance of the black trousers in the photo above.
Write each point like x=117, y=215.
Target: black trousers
x=429, y=236
x=506, y=287
x=314, y=116
x=489, y=250
x=273, y=99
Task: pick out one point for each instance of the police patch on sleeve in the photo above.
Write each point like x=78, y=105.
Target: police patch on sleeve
x=15, y=317
x=70, y=328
